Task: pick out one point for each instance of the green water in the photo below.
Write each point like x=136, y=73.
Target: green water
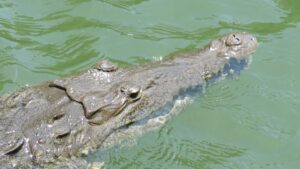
x=248, y=123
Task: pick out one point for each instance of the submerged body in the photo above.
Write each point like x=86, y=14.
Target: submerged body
x=51, y=124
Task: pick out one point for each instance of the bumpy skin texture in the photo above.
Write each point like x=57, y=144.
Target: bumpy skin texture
x=52, y=124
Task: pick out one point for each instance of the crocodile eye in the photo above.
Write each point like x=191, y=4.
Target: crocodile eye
x=134, y=95
x=134, y=92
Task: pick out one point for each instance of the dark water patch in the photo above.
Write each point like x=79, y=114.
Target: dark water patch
x=27, y=26
x=123, y=4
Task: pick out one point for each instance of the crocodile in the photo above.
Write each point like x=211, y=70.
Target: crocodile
x=56, y=123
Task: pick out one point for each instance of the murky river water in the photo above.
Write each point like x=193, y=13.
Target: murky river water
x=248, y=123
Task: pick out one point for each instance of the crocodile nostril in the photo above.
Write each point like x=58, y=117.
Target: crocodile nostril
x=233, y=40
x=253, y=40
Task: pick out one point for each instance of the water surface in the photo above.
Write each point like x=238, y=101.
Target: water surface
x=251, y=122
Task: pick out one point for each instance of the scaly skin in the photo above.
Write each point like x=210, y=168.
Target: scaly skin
x=52, y=124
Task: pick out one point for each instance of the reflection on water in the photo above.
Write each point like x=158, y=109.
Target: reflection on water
x=248, y=122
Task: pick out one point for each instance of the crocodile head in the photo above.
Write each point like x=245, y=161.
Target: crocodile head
x=153, y=90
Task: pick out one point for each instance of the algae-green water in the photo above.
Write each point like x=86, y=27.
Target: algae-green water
x=248, y=123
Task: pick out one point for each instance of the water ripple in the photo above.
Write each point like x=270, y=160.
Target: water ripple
x=6, y=4
x=123, y=4
x=169, y=152
x=168, y=31
x=75, y=49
